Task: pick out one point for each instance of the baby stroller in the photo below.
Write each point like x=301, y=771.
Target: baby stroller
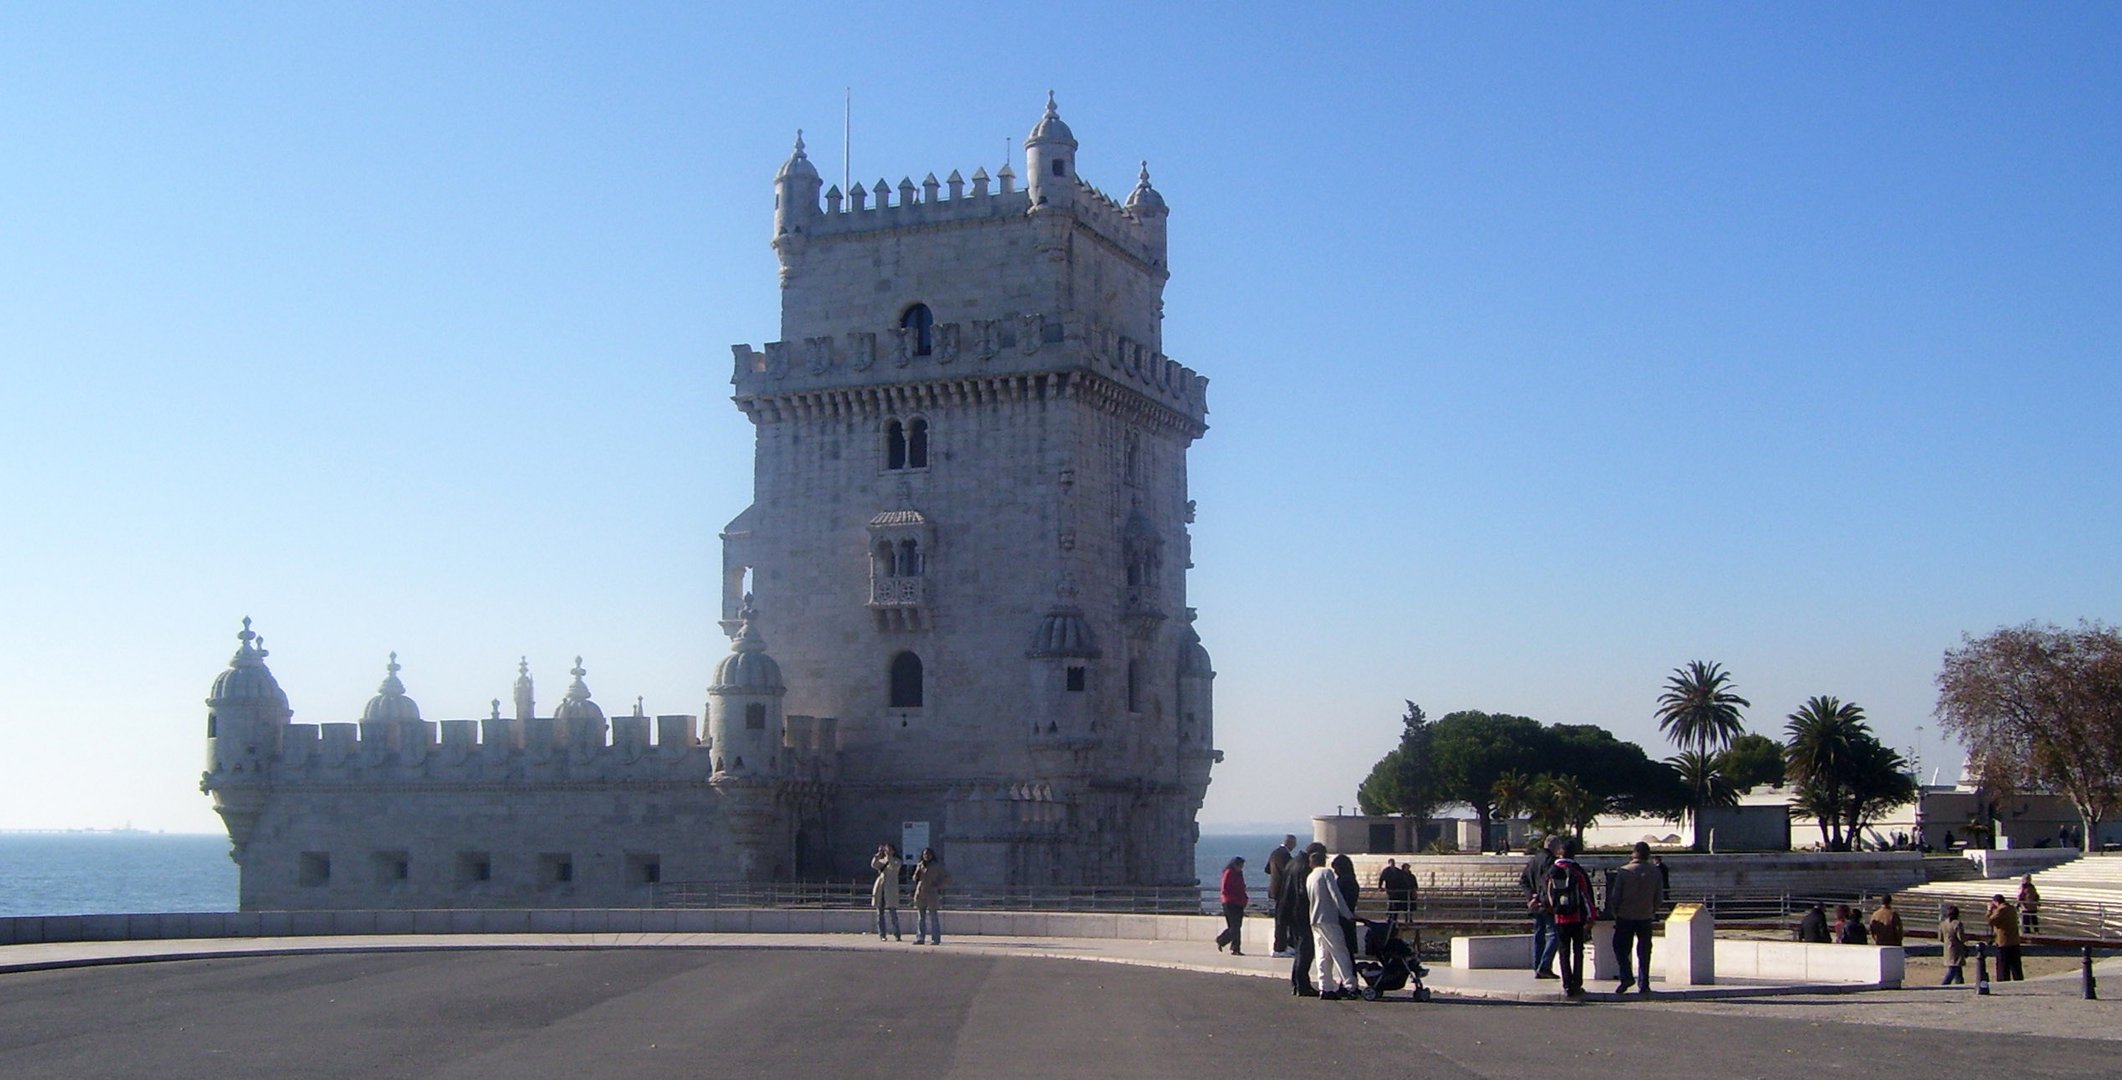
x=1393, y=965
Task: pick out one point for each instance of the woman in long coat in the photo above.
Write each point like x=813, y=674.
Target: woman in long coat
x=929, y=880
x=884, y=892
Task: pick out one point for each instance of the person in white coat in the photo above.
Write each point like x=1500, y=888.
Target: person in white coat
x=1333, y=971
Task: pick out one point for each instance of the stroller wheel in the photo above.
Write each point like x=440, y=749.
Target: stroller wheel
x=1370, y=993
x=1422, y=994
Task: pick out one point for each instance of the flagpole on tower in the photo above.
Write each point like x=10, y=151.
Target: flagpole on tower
x=847, y=124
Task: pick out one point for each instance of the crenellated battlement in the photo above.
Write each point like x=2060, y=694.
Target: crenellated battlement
x=980, y=348
x=640, y=749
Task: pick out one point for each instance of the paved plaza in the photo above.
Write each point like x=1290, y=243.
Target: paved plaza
x=848, y=1006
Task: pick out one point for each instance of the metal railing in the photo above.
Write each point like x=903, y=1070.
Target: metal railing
x=1117, y=900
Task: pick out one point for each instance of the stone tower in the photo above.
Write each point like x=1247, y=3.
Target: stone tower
x=968, y=537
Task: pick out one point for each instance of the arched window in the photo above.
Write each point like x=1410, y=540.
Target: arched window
x=894, y=445
x=1131, y=465
x=906, y=681
x=917, y=444
x=1060, y=166
x=909, y=558
x=887, y=562
x=213, y=724
x=923, y=324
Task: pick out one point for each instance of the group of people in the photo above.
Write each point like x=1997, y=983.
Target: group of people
x=1314, y=903
x=2008, y=922
x=929, y=879
x=1559, y=897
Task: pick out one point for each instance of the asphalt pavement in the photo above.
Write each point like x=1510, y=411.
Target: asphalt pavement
x=761, y=1010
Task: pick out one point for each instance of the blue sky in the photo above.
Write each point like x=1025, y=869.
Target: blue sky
x=1551, y=347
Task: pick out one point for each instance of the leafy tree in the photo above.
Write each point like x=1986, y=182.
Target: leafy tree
x=1471, y=749
x=2041, y=706
x=1576, y=805
x=1379, y=793
x=1751, y=761
x=1404, y=781
x=1880, y=781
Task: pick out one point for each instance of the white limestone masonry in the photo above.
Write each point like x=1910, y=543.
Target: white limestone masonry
x=957, y=600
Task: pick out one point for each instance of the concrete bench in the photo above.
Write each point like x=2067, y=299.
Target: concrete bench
x=1777, y=961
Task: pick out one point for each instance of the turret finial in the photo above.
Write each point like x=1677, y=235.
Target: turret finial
x=245, y=635
x=497, y=709
x=1051, y=108
x=523, y=666
x=577, y=670
x=393, y=667
x=799, y=142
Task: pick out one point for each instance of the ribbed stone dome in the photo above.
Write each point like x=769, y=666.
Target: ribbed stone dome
x=747, y=669
x=1145, y=197
x=798, y=165
x=247, y=680
x=1193, y=658
x=1064, y=633
x=390, y=702
x=1050, y=127
x=575, y=705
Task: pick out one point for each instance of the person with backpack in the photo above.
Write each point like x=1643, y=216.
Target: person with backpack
x=1532, y=879
x=1567, y=894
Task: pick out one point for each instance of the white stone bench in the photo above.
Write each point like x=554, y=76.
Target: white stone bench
x=1778, y=961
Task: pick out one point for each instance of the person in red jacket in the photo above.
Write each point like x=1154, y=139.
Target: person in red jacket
x=1566, y=892
x=1233, y=906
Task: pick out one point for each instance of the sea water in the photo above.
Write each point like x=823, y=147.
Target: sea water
x=96, y=873
x=85, y=873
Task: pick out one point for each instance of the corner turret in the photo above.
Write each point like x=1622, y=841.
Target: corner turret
x=579, y=719
x=744, y=723
x=246, y=716
x=796, y=189
x=1050, y=161
x=1148, y=207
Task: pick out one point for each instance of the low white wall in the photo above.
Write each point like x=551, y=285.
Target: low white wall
x=2013, y=862
x=26, y=930
x=1778, y=961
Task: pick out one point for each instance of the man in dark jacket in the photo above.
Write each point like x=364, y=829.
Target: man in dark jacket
x=1278, y=877
x=1532, y=878
x=1297, y=906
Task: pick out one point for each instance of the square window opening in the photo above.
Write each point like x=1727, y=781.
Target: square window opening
x=314, y=868
x=1077, y=676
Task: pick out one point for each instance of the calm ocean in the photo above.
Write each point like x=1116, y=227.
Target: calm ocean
x=99, y=873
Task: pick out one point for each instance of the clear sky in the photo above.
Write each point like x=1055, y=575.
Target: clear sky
x=1551, y=347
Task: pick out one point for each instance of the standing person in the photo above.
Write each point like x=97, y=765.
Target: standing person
x=1345, y=881
x=1233, y=894
x=2003, y=922
x=2029, y=905
x=1279, y=873
x=1812, y=928
x=1885, y=922
x=1952, y=938
x=1632, y=899
x=1533, y=878
x=930, y=879
x=1336, y=973
x=1665, y=878
x=1567, y=894
x=884, y=892
x=1389, y=884
x=1296, y=901
x=1400, y=895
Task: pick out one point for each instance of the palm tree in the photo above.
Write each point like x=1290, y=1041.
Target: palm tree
x=1575, y=805
x=1704, y=774
x=1844, y=776
x=1512, y=794
x=1698, y=708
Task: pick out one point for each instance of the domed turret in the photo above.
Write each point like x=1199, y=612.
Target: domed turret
x=390, y=703
x=795, y=193
x=1063, y=632
x=577, y=715
x=744, y=722
x=247, y=680
x=1050, y=160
